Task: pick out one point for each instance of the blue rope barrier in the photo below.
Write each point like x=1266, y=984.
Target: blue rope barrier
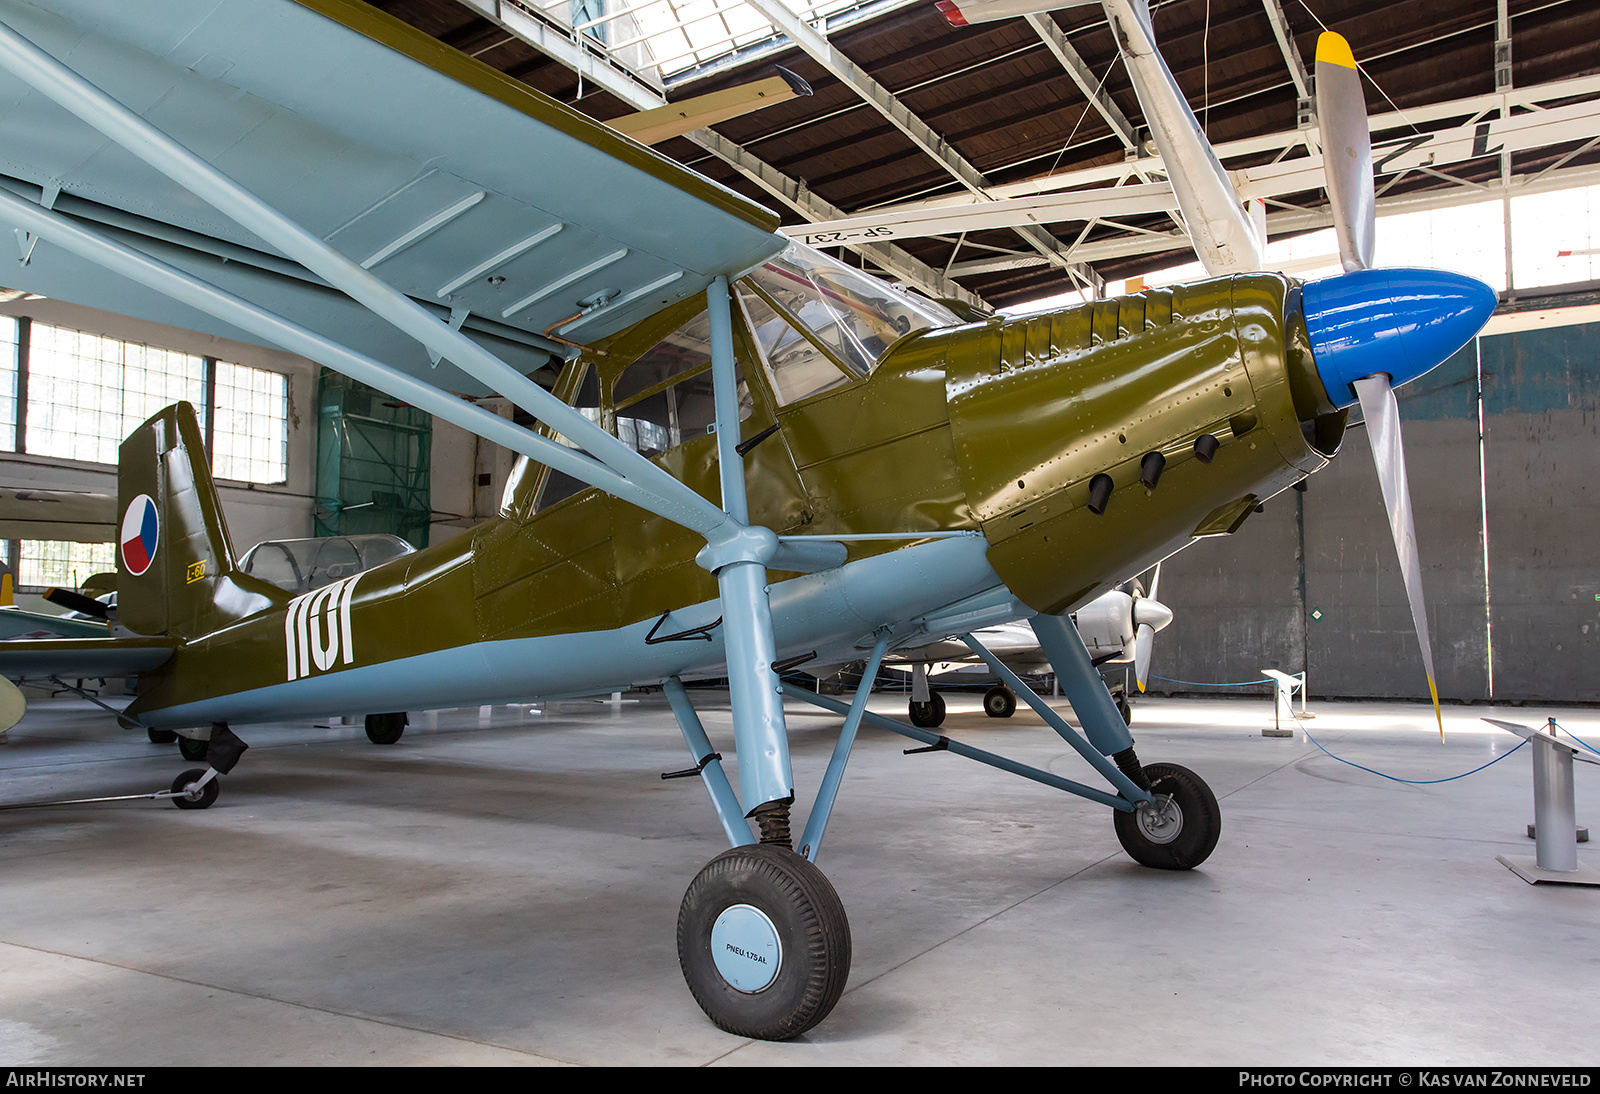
x=1199, y=684
x=1575, y=737
x=1413, y=782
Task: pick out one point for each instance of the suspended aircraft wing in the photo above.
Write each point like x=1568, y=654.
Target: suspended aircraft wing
x=17, y=623
x=508, y=216
x=79, y=515
x=40, y=659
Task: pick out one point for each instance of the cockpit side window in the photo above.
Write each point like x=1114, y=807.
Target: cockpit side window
x=558, y=485
x=854, y=315
x=664, y=398
x=796, y=366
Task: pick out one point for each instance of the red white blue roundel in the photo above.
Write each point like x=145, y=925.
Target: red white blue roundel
x=141, y=528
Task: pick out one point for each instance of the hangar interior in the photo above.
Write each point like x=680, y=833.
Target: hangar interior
x=463, y=898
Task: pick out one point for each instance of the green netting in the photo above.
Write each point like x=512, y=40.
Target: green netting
x=372, y=462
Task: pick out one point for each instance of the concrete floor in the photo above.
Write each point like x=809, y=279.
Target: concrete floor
x=502, y=888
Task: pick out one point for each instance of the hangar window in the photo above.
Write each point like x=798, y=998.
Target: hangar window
x=42, y=563
x=75, y=395
x=250, y=441
x=86, y=392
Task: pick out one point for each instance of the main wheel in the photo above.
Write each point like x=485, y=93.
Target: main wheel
x=161, y=736
x=763, y=942
x=1179, y=831
x=191, y=749
x=1124, y=708
x=385, y=729
x=929, y=715
x=999, y=702
x=194, y=799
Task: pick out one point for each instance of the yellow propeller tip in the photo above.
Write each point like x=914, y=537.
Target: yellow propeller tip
x=1141, y=686
x=1437, y=713
x=1332, y=48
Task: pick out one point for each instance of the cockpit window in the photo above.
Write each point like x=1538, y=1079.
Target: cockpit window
x=796, y=367
x=855, y=315
x=664, y=398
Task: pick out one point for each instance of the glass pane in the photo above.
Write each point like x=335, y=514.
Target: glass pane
x=685, y=349
x=795, y=366
x=855, y=315
x=87, y=392
x=251, y=440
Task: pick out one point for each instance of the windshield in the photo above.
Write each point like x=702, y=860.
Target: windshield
x=852, y=313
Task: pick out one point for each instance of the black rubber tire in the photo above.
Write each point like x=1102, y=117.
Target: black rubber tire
x=1198, y=832
x=999, y=702
x=161, y=736
x=385, y=729
x=929, y=715
x=813, y=933
x=193, y=750
x=208, y=792
x=1125, y=709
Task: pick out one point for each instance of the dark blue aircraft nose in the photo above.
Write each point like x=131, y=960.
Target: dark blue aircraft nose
x=1401, y=322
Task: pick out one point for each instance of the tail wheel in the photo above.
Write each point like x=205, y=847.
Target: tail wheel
x=763, y=942
x=1179, y=830
x=999, y=702
x=191, y=798
x=929, y=715
x=193, y=750
x=385, y=729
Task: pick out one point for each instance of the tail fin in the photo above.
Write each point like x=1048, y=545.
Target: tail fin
x=175, y=562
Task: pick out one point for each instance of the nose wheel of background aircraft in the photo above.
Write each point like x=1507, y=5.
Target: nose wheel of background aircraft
x=1179, y=829
x=929, y=715
x=763, y=942
x=385, y=729
x=999, y=702
x=193, y=790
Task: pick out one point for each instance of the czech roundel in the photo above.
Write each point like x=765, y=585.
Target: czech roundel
x=140, y=530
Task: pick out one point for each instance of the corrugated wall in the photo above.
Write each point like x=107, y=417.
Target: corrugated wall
x=1312, y=582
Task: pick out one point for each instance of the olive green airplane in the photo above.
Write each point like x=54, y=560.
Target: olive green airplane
x=748, y=456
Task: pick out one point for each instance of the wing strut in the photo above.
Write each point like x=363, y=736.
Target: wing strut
x=71, y=91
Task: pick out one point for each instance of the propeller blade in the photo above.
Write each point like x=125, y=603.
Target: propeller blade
x=1383, y=430
x=1149, y=616
x=1143, y=645
x=1155, y=581
x=1346, y=150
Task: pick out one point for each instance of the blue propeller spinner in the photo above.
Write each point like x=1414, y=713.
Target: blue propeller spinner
x=1400, y=322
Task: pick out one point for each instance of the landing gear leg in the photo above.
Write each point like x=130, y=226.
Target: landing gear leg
x=926, y=709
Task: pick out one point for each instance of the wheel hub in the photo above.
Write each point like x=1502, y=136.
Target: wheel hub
x=745, y=948
x=1160, y=820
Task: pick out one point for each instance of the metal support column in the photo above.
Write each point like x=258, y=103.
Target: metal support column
x=817, y=822
x=709, y=764
x=1081, y=682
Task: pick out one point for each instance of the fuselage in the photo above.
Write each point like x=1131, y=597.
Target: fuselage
x=997, y=429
